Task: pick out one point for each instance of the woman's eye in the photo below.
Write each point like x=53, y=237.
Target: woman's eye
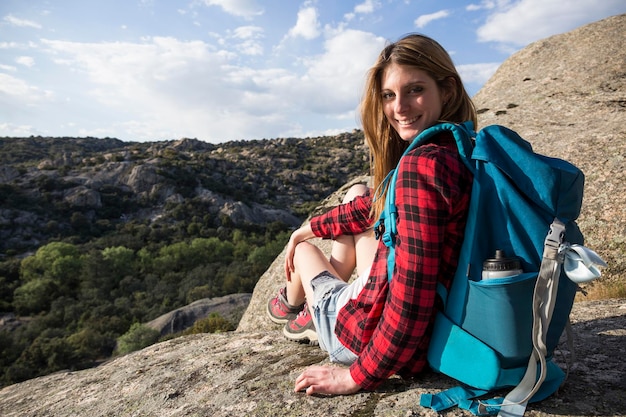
x=387, y=96
x=415, y=90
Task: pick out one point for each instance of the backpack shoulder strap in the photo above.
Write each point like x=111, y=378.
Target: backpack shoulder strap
x=386, y=226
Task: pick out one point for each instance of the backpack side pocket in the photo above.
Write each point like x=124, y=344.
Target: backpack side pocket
x=499, y=312
x=458, y=354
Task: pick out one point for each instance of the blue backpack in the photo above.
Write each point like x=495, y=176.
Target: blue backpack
x=501, y=333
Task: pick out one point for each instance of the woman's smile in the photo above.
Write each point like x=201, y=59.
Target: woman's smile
x=408, y=122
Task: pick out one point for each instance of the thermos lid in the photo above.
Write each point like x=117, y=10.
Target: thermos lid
x=501, y=263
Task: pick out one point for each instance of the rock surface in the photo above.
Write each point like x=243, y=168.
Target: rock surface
x=565, y=95
x=252, y=374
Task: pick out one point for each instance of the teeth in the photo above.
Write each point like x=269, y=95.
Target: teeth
x=407, y=122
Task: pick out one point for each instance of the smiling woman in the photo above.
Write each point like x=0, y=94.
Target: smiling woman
x=377, y=326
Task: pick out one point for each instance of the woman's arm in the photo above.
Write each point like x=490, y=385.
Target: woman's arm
x=351, y=218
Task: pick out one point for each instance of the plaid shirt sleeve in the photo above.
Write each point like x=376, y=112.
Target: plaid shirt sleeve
x=389, y=324
x=346, y=219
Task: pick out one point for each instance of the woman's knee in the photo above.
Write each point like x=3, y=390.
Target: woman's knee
x=305, y=251
x=308, y=259
x=355, y=191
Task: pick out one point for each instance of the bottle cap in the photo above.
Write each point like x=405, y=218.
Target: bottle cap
x=501, y=263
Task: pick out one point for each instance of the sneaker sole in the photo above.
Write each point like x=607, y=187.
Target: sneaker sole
x=308, y=336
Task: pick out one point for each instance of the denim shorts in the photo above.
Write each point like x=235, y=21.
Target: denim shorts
x=326, y=289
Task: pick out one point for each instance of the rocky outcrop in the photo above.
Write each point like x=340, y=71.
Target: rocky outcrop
x=82, y=196
x=251, y=372
x=143, y=179
x=229, y=307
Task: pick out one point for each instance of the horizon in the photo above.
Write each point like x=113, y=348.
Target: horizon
x=220, y=71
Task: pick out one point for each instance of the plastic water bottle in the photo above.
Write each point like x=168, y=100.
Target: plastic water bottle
x=500, y=266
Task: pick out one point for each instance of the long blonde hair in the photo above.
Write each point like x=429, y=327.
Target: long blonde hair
x=386, y=146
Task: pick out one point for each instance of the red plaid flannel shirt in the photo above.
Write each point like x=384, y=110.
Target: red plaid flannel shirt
x=389, y=324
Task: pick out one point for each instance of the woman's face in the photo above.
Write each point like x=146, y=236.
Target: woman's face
x=411, y=98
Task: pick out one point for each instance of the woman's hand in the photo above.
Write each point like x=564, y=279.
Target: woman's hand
x=300, y=235
x=326, y=380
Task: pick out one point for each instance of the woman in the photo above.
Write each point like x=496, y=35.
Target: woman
x=374, y=326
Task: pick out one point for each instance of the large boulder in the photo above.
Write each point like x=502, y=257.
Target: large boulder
x=229, y=307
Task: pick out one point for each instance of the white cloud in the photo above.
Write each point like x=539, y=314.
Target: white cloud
x=307, y=25
x=16, y=91
x=27, y=61
x=249, y=32
x=9, y=45
x=248, y=9
x=7, y=68
x=425, y=19
x=368, y=6
x=15, y=21
x=477, y=73
x=525, y=21
x=249, y=38
x=483, y=5
x=333, y=83
x=161, y=82
x=13, y=130
x=169, y=88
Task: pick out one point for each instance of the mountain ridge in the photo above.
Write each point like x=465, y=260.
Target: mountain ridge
x=111, y=182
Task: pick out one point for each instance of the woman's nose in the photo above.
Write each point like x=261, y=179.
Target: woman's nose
x=401, y=104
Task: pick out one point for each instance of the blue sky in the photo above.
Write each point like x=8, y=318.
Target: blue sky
x=221, y=70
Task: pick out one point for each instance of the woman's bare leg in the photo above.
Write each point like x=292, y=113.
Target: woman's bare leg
x=350, y=252
x=347, y=253
x=309, y=262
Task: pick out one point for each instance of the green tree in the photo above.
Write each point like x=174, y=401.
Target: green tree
x=49, y=352
x=89, y=345
x=9, y=281
x=173, y=258
x=57, y=261
x=212, y=249
x=35, y=296
x=121, y=261
x=214, y=323
x=137, y=337
x=200, y=292
x=80, y=223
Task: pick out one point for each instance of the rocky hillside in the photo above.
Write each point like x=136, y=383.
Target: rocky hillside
x=565, y=94
x=59, y=187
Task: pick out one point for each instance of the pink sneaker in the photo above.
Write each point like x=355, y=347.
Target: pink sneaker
x=301, y=329
x=279, y=310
